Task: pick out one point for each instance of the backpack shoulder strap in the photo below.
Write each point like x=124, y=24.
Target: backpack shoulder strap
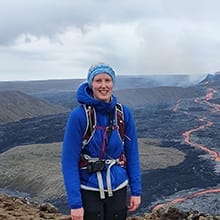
x=120, y=120
x=90, y=123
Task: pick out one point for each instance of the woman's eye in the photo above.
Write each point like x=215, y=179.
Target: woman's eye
x=98, y=80
x=102, y=80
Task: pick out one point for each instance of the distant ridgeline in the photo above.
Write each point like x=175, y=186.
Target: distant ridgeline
x=212, y=78
x=122, y=82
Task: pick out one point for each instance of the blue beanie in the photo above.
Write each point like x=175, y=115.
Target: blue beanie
x=100, y=68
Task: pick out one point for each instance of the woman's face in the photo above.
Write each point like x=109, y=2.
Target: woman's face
x=102, y=86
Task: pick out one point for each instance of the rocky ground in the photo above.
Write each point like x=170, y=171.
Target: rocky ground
x=14, y=208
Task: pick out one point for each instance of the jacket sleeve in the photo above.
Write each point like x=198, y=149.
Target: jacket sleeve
x=72, y=144
x=132, y=153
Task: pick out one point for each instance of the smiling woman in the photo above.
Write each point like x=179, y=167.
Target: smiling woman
x=102, y=86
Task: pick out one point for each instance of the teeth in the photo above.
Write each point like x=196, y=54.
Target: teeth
x=103, y=92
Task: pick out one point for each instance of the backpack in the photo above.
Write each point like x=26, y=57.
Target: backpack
x=91, y=122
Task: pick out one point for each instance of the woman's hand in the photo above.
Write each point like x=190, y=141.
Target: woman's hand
x=135, y=202
x=77, y=214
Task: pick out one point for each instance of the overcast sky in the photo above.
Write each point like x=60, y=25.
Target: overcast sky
x=50, y=39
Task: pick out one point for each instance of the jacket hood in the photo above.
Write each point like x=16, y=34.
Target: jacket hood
x=85, y=96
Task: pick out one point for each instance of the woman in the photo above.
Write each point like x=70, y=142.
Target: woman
x=98, y=190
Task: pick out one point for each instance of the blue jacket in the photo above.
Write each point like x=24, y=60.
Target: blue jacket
x=76, y=178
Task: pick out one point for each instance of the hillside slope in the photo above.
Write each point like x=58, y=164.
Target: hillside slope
x=46, y=182
x=155, y=96
x=16, y=105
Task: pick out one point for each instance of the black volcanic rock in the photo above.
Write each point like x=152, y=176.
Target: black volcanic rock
x=42, y=129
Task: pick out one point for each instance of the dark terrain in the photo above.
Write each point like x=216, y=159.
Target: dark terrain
x=161, y=112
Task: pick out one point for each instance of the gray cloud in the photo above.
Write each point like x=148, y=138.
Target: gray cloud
x=51, y=16
x=145, y=36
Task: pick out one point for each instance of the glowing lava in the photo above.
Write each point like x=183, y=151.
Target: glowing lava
x=216, y=108
x=178, y=200
x=187, y=134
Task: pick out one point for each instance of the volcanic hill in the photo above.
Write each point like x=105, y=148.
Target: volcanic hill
x=16, y=105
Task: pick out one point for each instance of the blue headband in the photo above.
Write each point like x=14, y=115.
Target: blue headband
x=97, y=69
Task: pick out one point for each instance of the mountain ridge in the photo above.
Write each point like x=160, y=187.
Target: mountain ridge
x=16, y=105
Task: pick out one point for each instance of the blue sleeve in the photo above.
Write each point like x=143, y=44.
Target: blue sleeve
x=132, y=153
x=72, y=144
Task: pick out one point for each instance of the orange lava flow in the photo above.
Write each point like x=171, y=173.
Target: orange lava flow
x=187, y=134
x=178, y=200
x=208, y=97
x=216, y=108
